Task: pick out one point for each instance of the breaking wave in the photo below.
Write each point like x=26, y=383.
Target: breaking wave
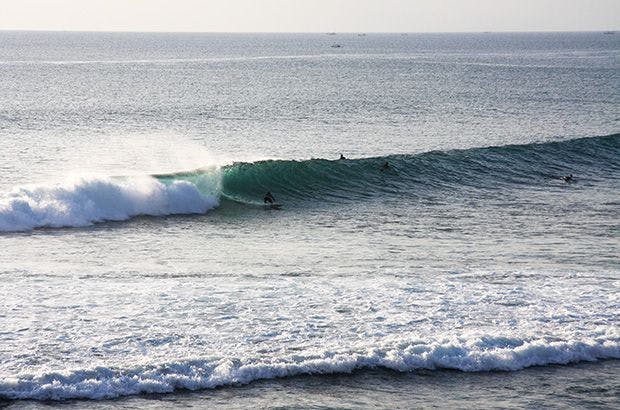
x=86, y=200
x=470, y=355
x=83, y=201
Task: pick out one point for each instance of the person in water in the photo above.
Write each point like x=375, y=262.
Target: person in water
x=385, y=166
x=568, y=178
x=342, y=156
x=269, y=199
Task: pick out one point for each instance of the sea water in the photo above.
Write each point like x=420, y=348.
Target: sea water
x=139, y=264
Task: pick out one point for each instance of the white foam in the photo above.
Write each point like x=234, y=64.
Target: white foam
x=84, y=200
x=478, y=354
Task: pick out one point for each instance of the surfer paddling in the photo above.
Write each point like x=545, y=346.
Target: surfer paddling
x=568, y=178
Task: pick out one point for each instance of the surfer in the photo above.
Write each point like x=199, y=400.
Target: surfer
x=568, y=178
x=385, y=166
x=268, y=198
x=342, y=156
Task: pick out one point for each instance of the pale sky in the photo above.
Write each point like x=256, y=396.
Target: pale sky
x=310, y=15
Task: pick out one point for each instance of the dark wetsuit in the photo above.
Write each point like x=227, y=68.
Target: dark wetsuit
x=269, y=199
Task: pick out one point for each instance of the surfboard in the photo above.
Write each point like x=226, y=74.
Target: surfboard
x=273, y=206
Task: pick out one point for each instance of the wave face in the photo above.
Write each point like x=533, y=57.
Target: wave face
x=418, y=175
x=476, y=354
x=83, y=201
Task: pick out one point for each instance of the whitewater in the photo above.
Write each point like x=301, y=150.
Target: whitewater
x=139, y=266
x=317, y=333
x=84, y=201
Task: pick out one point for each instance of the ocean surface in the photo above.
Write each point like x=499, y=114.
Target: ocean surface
x=139, y=267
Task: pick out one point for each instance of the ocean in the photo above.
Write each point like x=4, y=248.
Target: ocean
x=445, y=261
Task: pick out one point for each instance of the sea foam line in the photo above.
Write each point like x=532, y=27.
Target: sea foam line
x=481, y=354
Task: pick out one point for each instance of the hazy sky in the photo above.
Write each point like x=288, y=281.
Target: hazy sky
x=310, y=15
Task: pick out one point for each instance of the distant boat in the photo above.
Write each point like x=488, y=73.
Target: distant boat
x=331, y=34
x=336, y=46
x=609, y=32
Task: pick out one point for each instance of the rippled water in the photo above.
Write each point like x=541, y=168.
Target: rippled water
x=137, y=255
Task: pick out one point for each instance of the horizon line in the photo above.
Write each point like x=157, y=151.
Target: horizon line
x=306, y=32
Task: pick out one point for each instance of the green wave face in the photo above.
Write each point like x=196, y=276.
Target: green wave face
x=423, y=174
x=208, y=180
x=337, y=181
x=316, y=179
